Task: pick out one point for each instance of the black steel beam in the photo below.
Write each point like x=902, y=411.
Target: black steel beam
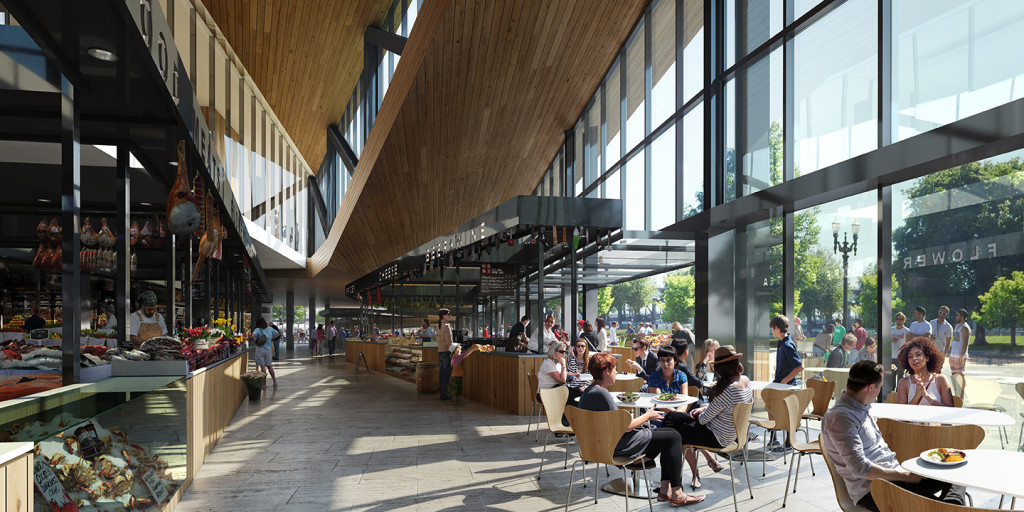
x=393, y=43
x=123, y=279
x=348, y=157
x=318, y=204
x=71, y=200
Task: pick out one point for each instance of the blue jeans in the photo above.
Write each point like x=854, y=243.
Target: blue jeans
x=444, y=372
x=277, y=348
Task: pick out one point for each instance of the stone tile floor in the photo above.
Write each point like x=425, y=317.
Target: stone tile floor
x=328, y=439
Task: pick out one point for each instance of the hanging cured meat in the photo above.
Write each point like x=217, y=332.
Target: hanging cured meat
x=161, y=237
x=209, y=244
x=146, y=236
x=182, y=212
x=41, y=255
x=54, y=231
x=88, y=235
x=41, y=230
x=133, y=232
x=199, y=191
x=106, y=237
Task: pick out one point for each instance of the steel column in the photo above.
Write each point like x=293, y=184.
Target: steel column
x=884, y=241
x=71, y=204
x=289, y=316
x=172, y=266
x=540, y=289
x=123, y=271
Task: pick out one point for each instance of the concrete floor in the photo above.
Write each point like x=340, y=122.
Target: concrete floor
x=329, y=439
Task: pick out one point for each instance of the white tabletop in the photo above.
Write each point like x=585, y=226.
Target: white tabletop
x=816, y=369
x=758, y=385
x=988, y=470
x=618, y=377
x=646, y=401
x=944, y=415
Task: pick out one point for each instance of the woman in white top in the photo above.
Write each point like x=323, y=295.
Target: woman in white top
x=925, y=385
x=958, y=347
x=602, y=335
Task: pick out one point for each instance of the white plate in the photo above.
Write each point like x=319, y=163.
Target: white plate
x=926, y=458
x=669, y=402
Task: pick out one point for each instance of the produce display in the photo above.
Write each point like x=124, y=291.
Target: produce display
x=202, y=346
x=402, y=361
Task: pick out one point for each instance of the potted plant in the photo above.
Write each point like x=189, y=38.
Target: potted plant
x=254, y=382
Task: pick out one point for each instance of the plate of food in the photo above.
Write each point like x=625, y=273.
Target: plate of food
x=669, y=398
x=944, y=456
x=628, y=397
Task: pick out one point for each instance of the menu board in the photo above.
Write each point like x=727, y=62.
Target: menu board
x=51, y=489
x=155, y=486
x=497, y=279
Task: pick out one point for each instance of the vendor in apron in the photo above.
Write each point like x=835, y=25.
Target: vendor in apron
x=146, y=323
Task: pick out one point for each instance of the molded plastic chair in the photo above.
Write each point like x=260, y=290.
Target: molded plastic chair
x=839, y=378
x=793, y=407
x=776, y=406
x=597, y=434
x=554, y=405
x=693, y=391
x=819, y=404
x=741, y=421
x=846, y=503
x=537, y=407
x=891, y=398
x=908, y=440
x=1020, y=391
x=892, y=498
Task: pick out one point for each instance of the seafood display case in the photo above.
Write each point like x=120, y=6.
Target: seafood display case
x=119, y=444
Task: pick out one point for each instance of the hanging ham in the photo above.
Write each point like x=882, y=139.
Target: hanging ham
x=182, y=212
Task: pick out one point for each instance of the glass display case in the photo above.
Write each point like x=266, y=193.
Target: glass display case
x=111, y=445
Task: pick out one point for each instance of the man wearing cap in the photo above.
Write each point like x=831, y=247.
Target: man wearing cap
x=146, y=323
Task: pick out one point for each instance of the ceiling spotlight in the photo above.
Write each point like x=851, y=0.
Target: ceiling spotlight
x=173, y=163
x=101, y=54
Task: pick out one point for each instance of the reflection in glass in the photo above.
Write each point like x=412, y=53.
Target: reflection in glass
x=635, y=206
x=693, y=161
x=835, y=87
x=593, y=158
x=663, y=174
x=748, y=24
x=635, y=130
x=613, y=185
x=753, y=127
x=612, y=116
x=578, y=164
x=951, y=60
x=663, y=60
x=693, y=48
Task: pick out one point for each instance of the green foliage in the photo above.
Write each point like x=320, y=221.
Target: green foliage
x=604, y=301
x=868, y=309
x=679, y=296
x=1003, y=304
x=635, y=295
x=277, y=312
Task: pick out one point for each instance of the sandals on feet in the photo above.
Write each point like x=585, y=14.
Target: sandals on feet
x=690, y=499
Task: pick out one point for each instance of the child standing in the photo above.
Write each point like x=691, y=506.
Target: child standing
x=455, y=383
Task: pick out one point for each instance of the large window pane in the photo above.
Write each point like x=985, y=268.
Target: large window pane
x=663, y=59
x=957, y=242
x=693, y=161
x=613, y=107
x=635, y=130
x=613, y=186
x=693, y=48
x=954, y=59
x=835, y=87
x=753, y=127
x=593, y=158
x=577, y=187
x=800, y=7
x=748, y=24
x=635, y=207
x=663, y=179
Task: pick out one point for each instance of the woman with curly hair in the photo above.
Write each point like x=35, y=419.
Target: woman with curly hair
x=924, y=385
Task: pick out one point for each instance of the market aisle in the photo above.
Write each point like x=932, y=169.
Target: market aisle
x=328, y=439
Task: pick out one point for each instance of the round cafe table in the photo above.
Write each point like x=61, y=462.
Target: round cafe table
x=943, y=415
x=758, y=385
x=988, y=470
x=637, y=487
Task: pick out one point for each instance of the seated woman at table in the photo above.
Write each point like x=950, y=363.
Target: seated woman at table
x=638, y=441
x=712, y=425
x=706, y=366
x=668, y=379
x=576, y=362
x=553, y=372
x=924, y=385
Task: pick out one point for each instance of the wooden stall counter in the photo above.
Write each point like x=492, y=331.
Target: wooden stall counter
x=16, y=482
x=373, y=353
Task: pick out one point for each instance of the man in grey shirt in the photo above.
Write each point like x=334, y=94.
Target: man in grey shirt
x=855, y=444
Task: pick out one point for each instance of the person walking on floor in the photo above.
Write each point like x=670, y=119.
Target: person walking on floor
x=444, y=354
x=263, y=337
x=317, y=340
x=333, y=340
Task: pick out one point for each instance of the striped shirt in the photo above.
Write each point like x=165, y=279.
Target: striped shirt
x=718, y=415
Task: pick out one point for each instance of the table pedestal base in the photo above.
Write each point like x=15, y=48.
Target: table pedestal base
x=636, y=487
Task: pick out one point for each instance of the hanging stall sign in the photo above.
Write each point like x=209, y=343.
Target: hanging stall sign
x=51, y=489
x=497, y=279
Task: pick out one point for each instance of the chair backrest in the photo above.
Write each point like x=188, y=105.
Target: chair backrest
x=908, y=440
x=1020, y=389
x=774, y=403
x=822, y=394
x=532, y=378
x=842, y=493
x=741, y=420
x=891, y=398
x=892, y=498
x=814, y=362
x=622, y=386
x=693, y=390
x=957, y=401
x=957, y=382
x=554, y=405
x=839, y=378
x=597, y=432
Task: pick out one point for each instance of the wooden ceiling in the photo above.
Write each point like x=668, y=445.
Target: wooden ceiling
x=475, y=113
x=304, y=55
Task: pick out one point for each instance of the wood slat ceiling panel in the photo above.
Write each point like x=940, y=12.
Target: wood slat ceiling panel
x=304, y=55
x=472, y=118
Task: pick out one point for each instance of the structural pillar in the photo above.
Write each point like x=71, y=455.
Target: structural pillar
x=123, y=271
x=71, y=206
x=289, y=316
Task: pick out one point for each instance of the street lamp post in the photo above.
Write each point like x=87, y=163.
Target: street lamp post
x=845, y=248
